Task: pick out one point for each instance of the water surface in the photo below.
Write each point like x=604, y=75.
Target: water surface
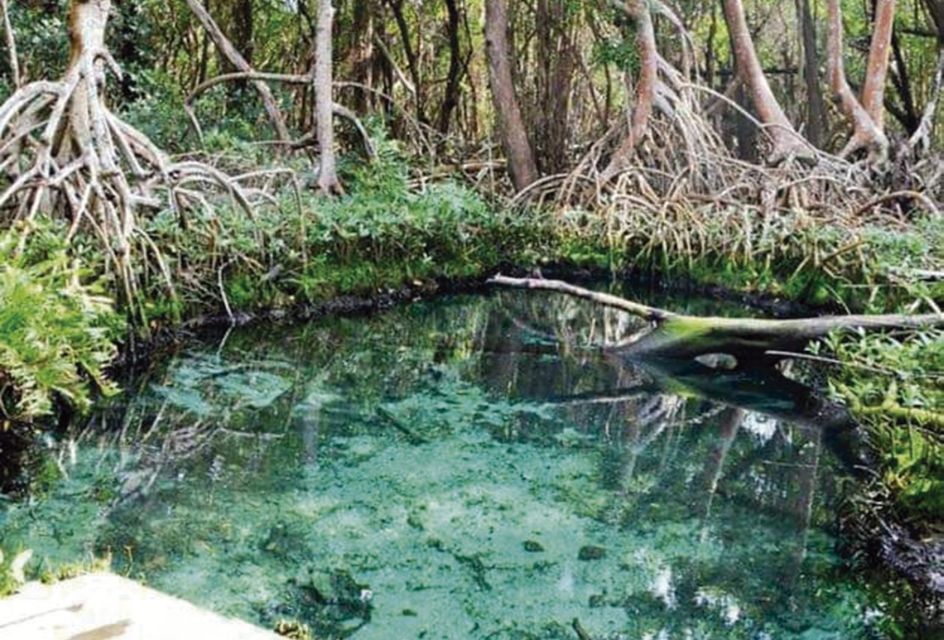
x=473, y=467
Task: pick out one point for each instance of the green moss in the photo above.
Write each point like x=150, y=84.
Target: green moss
x=896, y=387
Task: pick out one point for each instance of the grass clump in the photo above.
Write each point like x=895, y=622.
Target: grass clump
x=55, y=331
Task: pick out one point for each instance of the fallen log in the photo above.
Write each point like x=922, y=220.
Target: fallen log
x=675, y=335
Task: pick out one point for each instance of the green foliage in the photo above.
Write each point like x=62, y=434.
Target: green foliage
x=55, y=332
x=619, y=52
x=12, y=571
x=896, y=386
x=39, y=34
x=158, y=111
x=383, y=235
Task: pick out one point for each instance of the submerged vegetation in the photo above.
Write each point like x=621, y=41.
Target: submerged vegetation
x=186, y=164
x=444, y=469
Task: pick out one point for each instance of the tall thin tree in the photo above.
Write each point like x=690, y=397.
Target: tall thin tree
x=786, y=140
x=876, y=71
x=328, y=180
x=514, y=137
x=638, y=11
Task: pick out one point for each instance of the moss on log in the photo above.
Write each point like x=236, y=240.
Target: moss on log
x=673, y=335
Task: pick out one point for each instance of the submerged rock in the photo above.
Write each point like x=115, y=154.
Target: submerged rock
x=332, y=602
x=286, y=540
x=339, y=589
x=591, y=552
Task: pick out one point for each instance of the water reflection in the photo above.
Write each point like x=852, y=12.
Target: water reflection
x=471, y=468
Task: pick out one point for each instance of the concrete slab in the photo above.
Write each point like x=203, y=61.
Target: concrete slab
x=104, y=606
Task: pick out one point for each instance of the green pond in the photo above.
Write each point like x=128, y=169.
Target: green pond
x=471, y=467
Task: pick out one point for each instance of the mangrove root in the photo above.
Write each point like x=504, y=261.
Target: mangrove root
x=64, y=152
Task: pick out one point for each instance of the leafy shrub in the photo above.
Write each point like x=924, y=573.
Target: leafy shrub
x=55, y=331
x=384, y=234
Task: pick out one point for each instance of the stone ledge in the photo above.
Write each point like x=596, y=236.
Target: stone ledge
x=103, y=606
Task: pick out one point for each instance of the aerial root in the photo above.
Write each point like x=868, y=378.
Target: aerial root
x=64, y=153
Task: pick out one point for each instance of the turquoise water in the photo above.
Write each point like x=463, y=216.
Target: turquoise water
x=450, y=470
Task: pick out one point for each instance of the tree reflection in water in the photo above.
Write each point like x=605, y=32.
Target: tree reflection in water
x=460, y=448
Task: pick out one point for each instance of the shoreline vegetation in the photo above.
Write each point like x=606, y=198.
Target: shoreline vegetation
x=116, y=233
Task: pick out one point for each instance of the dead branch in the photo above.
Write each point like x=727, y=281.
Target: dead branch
x=681, y=336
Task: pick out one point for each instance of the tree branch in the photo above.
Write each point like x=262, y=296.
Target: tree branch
x=683, y=336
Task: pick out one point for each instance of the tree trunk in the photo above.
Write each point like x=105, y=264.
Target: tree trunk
x=638, y=10
x=454, y=77
x=873, y=89
x=514, y=137
x=549, y=114
x=359, y=59
x=240, y=63
x=866, y=132
x=236, y=17
x=328, y=180
x=786, y=141
x=412, y=58
x=87, y=23
x=908, y=116
x=816, y=109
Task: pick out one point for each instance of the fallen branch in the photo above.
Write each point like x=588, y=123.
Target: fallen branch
x=640, y=310
x=674, y=335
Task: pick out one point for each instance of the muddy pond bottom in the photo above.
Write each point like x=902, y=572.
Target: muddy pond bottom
x=449, y=470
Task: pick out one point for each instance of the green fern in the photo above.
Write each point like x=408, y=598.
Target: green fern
x=55, y=332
